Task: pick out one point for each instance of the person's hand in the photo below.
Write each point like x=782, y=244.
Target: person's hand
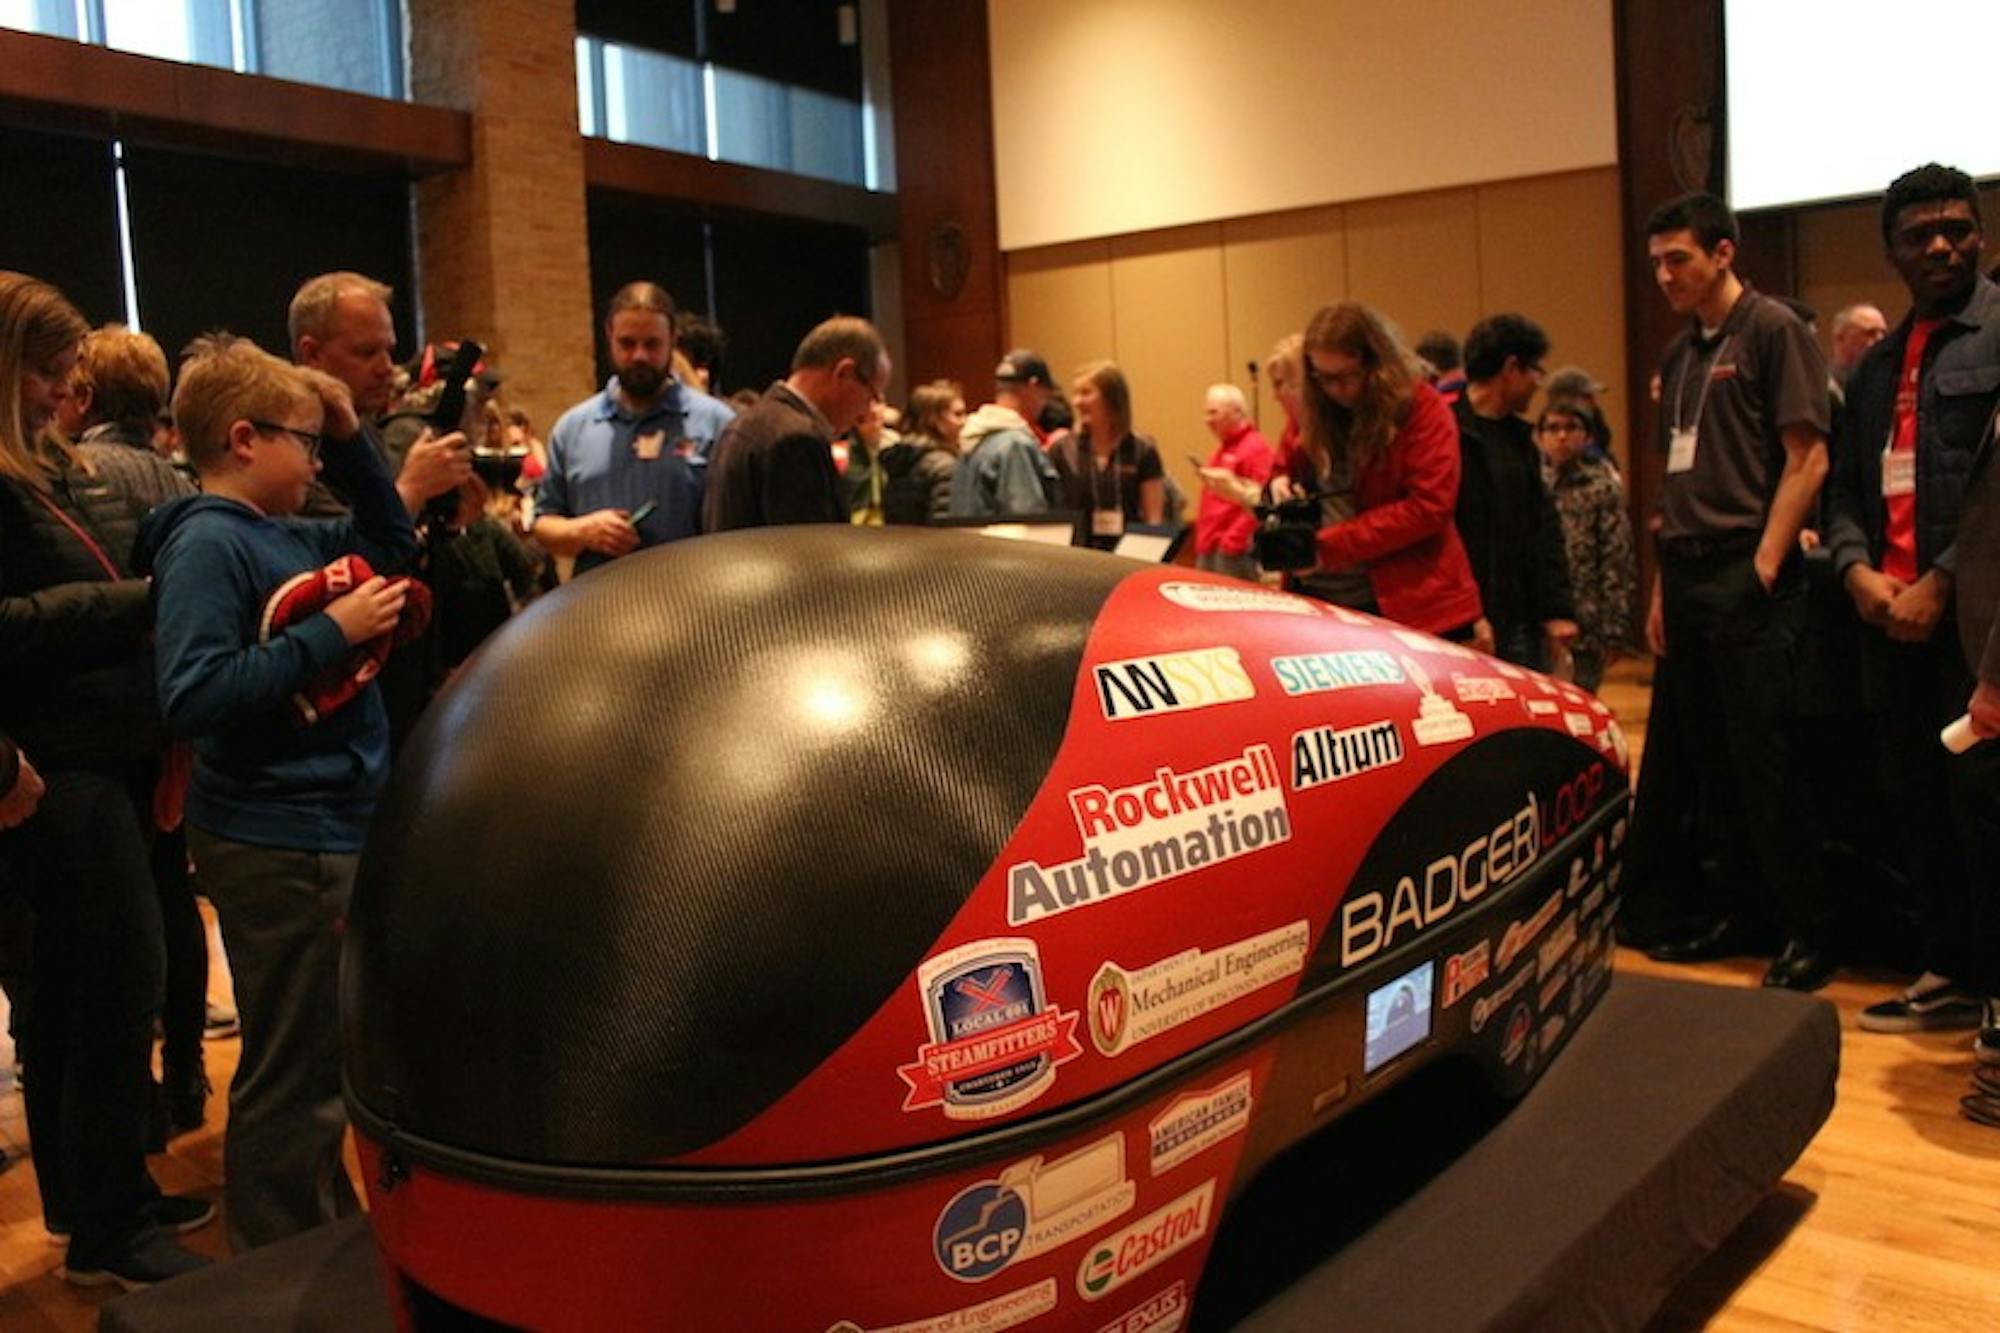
x=1766, y=571
x=435, y=464
x=1482, y=635
x=21, y=800
x=608, y=532
x=1873, y=592
x=1282, y=488
x=1656, y=623
x=336, y=401
x=1915, y=611
x=1221, y=482
x=371, y=610
x=1562, y=633
x=1809, y=539
x=1984, y=710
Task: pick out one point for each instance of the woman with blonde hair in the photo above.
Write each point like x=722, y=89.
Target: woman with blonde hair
x=1379, y=448
x=1108, y=472
x=77, y=695
x=1285, y=367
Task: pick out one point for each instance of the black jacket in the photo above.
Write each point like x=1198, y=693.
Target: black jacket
x=916, y=486
x=1958, y=388
x=1509, y=523
x=774, y=464
x=76, y=665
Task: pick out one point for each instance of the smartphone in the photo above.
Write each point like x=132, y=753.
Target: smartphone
x=643, y=512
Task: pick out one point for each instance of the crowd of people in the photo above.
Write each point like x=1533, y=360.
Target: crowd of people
x=228, y=594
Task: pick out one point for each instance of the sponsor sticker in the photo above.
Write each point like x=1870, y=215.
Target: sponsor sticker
x=1520, y=934
x=1552, y=1030
x=1324, y=754
x=1464, y=972
x=1542, y=707
x=1597, y=707
x=1519, y=1025
x=1509, y=670
x=1557, y=946
x=1376, y=919
x=995, y=1040
x=1320, y=673
x=1486, y=1006
x=1171, y=683
x=1197, y=1121
x=1481, y=689
x=1008, y=1311
x=1158, y=829
x=1618, y=833
x=1578, y=876
x=1592, y=901
x=1428, y=643
x=1163, y=1313
x=1438, y=720
x=1619, y=745
x=1129, y=1006
x=1579, y=724
x=1348, y=615
x=1032, y=1208
x=1553, y=986
x=1544, y=684
x=1222, y=597
x=1144, y=1245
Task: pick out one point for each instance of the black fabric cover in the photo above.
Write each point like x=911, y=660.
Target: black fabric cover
x=596, y=921
x=1637, y=1152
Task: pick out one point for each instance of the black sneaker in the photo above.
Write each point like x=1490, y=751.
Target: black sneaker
x=153, y=1257
x=181, y=1213
x=1932, y=1004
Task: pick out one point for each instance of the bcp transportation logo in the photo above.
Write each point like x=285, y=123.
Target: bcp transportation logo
x=1032, y=1208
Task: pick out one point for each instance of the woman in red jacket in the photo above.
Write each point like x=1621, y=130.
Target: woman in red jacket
x=1380, y=449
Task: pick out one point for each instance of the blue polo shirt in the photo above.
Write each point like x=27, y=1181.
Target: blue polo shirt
x=603, y=457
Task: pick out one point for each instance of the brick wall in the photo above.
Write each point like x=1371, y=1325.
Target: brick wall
x=502, y=245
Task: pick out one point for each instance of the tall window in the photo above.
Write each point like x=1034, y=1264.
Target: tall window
x=352, y=44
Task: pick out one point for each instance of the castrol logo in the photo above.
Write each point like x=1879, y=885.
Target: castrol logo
x=1145, y=1244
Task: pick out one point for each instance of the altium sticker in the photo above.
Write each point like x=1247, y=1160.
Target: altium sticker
x=1169, y=825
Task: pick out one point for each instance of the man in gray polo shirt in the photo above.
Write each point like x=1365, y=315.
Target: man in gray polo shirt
x=1744, y=413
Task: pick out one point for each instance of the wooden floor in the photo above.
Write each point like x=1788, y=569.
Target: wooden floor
x=1891, y=1220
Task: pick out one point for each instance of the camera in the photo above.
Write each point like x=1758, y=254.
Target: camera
x=1287, y=535
x=500, y=469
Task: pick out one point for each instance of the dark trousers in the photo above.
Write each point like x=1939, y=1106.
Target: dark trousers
x=184, y=1006
x=86, y=1044
x=282, y=914
x=1928, y=685
x=1666, y=892
x=1732, y=648
x=1523, y=644
x=1974, y=782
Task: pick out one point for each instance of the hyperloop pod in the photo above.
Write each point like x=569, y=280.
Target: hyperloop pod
x=834, y=929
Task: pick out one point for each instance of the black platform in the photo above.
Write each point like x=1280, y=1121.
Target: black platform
x=1671, y=1114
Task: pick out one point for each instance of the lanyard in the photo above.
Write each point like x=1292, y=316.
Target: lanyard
x=1117, y=496
x=1707, y=378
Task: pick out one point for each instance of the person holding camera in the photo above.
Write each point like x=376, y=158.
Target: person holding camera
x=1378, y=451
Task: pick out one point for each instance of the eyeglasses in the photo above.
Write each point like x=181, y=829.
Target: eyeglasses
x=1337, y=379
x=874, y=394
x=308, y=440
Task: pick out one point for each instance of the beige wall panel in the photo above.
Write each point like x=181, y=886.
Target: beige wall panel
x=1167, y=300
x=1840, y=261
x=1416, y=259
x=1184, y=111
x=1550, y=248
x=1276, y=271
x=1059, y=303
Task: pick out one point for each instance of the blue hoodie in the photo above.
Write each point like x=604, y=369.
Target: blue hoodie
x=259, y=776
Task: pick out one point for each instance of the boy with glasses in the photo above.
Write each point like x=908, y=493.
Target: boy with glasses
x=269, y=634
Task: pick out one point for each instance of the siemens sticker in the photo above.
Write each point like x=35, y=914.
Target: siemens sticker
x=1378, y=919
x=1171, y=683
x=1169, y=825
x=1316, y=673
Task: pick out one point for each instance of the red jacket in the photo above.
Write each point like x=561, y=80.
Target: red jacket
x=1223, y=525
x=1404, y=532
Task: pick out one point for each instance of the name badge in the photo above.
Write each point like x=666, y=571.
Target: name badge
x=1899, y=472
x=647, y=447
x=1107, y=522
x=1680, y=450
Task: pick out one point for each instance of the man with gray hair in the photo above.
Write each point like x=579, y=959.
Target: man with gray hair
x=339, y=322
x=775, y=463
x=1231, y=480
x=1856, y=328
